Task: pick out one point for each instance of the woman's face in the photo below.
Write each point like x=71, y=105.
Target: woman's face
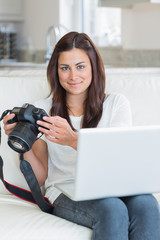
x=75, y=71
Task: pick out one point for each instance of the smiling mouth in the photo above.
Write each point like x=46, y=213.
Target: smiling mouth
x=74, y=84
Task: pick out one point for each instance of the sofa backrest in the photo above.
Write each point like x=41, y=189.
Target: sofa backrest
x=140, y=86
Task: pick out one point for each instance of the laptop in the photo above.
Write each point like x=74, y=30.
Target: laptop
x=115, y=162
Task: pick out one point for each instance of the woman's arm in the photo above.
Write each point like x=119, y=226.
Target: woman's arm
x=38, y=158
x=121, y=112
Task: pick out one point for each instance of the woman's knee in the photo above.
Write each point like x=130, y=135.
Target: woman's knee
x=112, y=219
x=112, y=209
x=143, y=204
x=144, y=217
x=144, y=209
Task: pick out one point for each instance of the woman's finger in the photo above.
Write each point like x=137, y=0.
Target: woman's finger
x=8, y=117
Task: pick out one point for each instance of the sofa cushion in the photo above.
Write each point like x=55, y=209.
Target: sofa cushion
x=22, y=220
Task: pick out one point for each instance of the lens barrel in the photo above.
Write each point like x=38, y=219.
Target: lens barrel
x=22, y=137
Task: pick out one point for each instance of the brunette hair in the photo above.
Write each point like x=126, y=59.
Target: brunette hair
x=93, y=105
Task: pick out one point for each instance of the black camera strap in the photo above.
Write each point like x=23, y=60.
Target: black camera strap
x=35, y=196
x=4, y=114
x=31, y=179
x=19, y=192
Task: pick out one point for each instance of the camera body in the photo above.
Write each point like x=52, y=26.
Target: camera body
x=28, y=113
x=26, y=131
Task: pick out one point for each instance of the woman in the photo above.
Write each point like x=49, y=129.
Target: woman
x=77, y=80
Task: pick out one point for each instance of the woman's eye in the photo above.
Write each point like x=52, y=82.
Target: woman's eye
x=80, y=67
x=64, y=68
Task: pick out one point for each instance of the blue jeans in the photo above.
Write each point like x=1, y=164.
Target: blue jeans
x=133, y=218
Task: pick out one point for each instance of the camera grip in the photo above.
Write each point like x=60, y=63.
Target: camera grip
x=13, y=120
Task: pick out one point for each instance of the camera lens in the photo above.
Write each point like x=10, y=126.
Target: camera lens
x=18, y=145
x=22, y=137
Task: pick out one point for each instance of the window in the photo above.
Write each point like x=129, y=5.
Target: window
x=102, y=24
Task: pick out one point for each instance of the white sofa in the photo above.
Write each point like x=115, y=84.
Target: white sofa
x=21, y=220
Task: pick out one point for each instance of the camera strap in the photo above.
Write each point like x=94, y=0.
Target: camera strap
x=19, y=192
x=31, y=179
x=4, y=114
x=35, y=196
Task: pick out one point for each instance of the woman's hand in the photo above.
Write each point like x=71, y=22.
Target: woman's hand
x=59, y=131
x=8, y=127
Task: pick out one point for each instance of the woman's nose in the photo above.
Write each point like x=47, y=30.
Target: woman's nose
x=73, y=74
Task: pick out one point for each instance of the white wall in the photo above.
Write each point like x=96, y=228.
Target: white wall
x=38, y=16
x=140, y=27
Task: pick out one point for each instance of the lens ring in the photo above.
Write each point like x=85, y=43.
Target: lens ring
x=18, y=145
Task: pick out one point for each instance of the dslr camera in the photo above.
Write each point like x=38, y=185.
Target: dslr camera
x=26, y=131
